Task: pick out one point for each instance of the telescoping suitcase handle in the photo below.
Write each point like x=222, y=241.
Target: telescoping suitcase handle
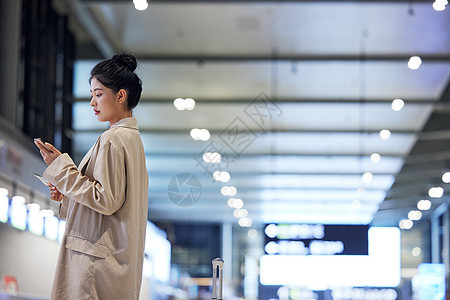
x=217, y=265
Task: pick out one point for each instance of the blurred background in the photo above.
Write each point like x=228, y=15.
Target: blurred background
x=307, y=143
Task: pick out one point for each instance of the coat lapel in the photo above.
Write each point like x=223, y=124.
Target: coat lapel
x=83, y=164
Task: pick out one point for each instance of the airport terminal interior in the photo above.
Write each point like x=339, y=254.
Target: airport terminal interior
x=306, y=144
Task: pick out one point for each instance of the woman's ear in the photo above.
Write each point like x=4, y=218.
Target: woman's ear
x=122, y=96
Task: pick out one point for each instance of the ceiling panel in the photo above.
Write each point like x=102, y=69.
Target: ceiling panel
x=302, y=117
x=337, y=80
x=257, y=28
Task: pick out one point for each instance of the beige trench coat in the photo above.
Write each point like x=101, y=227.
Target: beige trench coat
x=105, y=207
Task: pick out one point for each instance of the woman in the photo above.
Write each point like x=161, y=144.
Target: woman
x=105, y=199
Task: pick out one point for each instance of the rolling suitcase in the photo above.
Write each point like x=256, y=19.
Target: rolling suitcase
x=217, y=289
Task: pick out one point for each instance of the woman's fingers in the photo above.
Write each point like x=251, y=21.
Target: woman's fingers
x=52, y=148
x=48, y=152
x=54, y=193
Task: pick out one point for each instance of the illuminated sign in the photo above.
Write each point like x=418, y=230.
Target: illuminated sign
x=363, y=294
x=380, y=268
x=316, y=239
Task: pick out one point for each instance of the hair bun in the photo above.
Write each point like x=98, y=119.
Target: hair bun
x=127, y=60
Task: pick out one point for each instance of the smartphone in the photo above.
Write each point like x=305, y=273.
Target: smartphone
x=39, y=140
x=42, y=179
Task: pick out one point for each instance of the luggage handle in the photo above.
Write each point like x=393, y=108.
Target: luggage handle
x=217, y=263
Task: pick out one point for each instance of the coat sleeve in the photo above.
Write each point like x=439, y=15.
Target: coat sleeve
x=63, y=205
x=105, y=192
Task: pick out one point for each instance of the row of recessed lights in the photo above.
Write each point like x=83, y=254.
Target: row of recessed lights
x=215, y=158
x=229, y=191
x=396, y=105
x=385, y=134
x=424, y=204
x=367, y=177
x=415, y=61
x=238, y=204
x=435, y=192
x=189, y=104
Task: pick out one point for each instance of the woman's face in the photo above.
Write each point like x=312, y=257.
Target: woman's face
x=105, y=102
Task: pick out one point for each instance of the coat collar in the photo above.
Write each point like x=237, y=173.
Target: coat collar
x=129, y=122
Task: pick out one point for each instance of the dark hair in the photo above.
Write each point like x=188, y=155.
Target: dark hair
x=118, y=73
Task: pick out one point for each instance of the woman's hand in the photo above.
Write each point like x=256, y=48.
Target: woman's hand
x=55, y=195
x=48, y=156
